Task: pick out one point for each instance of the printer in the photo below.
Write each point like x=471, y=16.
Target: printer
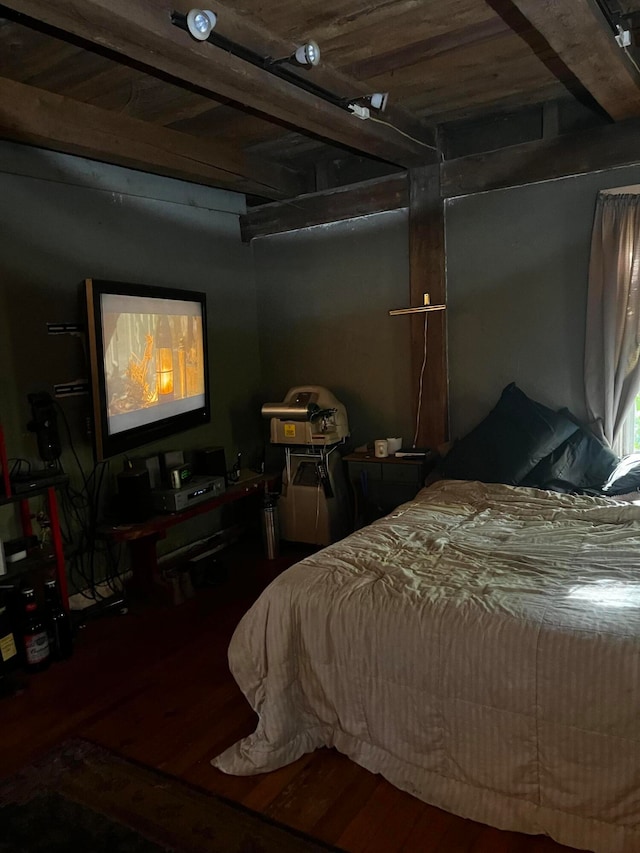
x=311, y=424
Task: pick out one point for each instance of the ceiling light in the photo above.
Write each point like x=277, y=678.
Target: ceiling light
x=307, y=54
x=360, y=106
x=379, y=100
x=200, y=23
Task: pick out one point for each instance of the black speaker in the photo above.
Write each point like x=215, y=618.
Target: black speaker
x=210, y=461
x=134, y=495
x=152, y=464
x=44, y=424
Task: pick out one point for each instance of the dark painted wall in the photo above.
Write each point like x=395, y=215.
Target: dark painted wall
x=63, y=219
x=517, y=276
x=517, y=263
x=323, y=298
x=517, y=267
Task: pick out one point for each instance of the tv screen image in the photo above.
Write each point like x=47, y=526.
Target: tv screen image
x=148, y=349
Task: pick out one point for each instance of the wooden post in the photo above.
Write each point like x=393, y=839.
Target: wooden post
x=427, y=275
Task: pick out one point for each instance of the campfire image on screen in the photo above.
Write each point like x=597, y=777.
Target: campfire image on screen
x=151, y=360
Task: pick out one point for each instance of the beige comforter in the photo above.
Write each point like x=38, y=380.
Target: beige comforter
x=479, y=647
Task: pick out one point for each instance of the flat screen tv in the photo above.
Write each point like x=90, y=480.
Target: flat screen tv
x=149, y=364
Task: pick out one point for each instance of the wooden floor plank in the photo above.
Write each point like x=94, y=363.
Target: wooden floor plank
x=357, y=791
x=383, y=823
x=428, y=831
x=462, y=836
x=310, y=794
x=155, y=686
x=270, y=785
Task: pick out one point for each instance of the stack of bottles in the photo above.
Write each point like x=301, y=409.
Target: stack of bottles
x=46, y=633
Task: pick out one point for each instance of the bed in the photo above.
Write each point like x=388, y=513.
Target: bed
x=479, y=648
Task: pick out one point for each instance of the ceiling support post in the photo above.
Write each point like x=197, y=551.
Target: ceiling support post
x=427, y=272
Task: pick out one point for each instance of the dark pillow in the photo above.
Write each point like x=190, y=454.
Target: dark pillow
x=626, y=476
x=582, y=461
x=509, y=442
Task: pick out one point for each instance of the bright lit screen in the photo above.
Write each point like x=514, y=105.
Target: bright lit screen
x=153, y=359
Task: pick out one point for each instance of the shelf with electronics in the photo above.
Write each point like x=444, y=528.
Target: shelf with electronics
x=41, y=560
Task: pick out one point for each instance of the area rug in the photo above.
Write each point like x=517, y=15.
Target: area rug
x=81, y=797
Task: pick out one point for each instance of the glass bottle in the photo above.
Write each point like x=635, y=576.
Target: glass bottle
x=58, y=623
x=35, y=640
x=8, y=651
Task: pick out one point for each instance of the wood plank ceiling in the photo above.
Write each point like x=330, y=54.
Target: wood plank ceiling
x=154, y=98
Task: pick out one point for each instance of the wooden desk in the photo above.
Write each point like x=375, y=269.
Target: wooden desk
x=142, y=537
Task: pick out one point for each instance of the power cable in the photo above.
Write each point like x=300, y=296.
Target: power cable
x=408, y=135
x=81, y=510
x=421, y=380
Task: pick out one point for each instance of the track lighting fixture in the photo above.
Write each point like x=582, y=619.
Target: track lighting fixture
x=200, y=23
x=307, y=54
x=378, y=100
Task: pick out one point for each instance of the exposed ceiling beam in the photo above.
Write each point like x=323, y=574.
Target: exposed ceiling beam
x=579, y=34
x=602, y=148
x=375, y=196
x=52, y=121
x=141, y=31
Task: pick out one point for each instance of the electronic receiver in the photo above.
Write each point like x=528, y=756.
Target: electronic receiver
x=198, y=489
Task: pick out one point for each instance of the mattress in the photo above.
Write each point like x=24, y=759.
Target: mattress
x=479, y=648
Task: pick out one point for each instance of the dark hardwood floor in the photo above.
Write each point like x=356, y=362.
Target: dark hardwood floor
x=154, y=686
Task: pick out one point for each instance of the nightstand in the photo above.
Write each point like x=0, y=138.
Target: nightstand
x=380, y=485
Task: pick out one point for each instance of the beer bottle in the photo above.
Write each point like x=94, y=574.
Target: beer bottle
x=8, y=651
x=58, y=623
x=35, y=642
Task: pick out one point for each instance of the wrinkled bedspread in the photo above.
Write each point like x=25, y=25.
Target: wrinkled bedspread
x=479, y=647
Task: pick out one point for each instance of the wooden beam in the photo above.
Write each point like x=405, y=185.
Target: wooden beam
x=52, y=121
x=604, y=147
x=334, y=205
x=141, y=31
x=594, y=150
x=240, y=29
x=582, y=38
x=429, y=380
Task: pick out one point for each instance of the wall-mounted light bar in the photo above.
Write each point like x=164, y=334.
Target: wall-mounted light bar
x=421, y=309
